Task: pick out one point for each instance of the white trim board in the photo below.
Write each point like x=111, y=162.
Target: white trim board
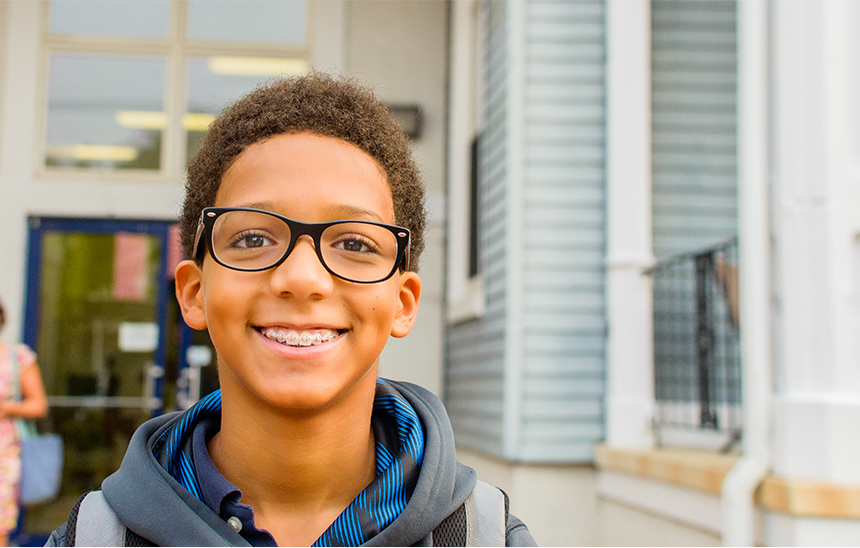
x=700, y=510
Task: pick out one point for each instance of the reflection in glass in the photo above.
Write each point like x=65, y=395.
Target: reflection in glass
x=216, y=81
x=90, y=286
x=130, y=18
x=278, y=21
x=90, y=98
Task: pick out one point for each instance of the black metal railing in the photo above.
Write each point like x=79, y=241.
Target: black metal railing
x=696, y=353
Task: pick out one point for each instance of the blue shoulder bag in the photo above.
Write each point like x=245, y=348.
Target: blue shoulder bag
x=41, y=454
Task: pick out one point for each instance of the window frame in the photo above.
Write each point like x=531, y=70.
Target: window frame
x=466, y=295
x=176, y=49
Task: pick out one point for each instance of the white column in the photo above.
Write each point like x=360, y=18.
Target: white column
x=630, y=353
x=754, y=262
x=817, y=233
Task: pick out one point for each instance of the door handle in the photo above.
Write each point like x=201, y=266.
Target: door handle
x=150, y=399
x=188, y=392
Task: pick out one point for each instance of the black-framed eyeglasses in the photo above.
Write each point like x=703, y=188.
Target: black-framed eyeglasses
x=251, y=240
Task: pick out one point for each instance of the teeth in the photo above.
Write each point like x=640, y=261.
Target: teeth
x=291, y=337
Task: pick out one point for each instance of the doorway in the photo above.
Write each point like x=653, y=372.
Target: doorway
x=113, y=350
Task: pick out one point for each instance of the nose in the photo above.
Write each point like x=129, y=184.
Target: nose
x=302, y=275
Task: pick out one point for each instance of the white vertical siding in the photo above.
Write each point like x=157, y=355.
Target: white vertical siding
x=694, y=82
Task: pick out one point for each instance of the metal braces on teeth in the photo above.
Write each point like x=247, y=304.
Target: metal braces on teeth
x=292, y=339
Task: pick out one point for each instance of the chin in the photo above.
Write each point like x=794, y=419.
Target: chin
x=308, y=397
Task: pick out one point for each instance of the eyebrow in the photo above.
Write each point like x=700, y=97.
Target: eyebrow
x=344, y=211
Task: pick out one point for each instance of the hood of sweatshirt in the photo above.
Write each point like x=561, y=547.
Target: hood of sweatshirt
x=150, y=502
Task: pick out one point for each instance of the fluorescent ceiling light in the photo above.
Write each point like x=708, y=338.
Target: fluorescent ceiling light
x=97, y=153
x=257, y=66
x=147, y=119
x=141, y=119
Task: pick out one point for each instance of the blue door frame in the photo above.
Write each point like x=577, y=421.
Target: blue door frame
x=40, y=225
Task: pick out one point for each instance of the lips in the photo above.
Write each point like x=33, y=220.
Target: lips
x=304, y=337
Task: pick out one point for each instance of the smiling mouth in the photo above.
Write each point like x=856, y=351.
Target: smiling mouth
x=305, y=337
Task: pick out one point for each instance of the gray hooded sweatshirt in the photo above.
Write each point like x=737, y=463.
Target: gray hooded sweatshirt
x=150, y=502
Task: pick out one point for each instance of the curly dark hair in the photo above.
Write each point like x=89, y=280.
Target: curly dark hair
x=317, y=103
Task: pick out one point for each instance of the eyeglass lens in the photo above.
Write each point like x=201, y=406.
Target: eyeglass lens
x=252, y=240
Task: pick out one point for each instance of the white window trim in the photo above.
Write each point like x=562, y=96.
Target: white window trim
x=175, y=49
x=465, y=294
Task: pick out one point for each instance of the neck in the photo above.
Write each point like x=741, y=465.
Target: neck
x=298, y=471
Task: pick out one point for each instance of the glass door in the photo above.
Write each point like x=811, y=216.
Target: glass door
x=103, y=320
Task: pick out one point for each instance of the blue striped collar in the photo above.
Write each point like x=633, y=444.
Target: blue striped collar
x=399, y=452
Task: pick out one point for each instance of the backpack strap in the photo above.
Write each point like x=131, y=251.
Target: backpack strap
x=92, y=522
x=97, y=524
x=480, y=521
x=486, y=516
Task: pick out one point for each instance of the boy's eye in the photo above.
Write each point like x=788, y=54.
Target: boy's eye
x=252, y=240
x=355, y=244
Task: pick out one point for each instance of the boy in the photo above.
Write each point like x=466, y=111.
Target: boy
x=299, y=209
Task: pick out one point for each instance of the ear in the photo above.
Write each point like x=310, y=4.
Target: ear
x=407, y=306
x=189, y=294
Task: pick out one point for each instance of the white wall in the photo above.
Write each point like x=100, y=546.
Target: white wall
x=624, y=525
x=556, y=502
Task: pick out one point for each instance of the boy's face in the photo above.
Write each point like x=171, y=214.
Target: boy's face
x=308, y=178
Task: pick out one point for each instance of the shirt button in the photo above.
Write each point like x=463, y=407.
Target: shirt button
x=235, y=523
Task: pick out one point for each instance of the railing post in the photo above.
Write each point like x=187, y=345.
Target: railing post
x=704, y=339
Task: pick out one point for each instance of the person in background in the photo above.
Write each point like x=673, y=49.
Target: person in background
x=32, y=405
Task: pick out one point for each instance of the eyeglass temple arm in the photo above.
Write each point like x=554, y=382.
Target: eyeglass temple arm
x=197, y=239
x=405, y=264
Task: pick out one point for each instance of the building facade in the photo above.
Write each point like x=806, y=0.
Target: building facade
x=642, y=276
x=658, y=344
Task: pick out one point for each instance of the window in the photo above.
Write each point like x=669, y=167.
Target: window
x=130, y=18
x=94, y=106
x=465, y=283
x=273, y=21
x=132, y=86
x=474, y=196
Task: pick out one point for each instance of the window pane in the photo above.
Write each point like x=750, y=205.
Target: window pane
x=105, y=111
x=216, y=81
x=279, y=21
x=134, y=18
